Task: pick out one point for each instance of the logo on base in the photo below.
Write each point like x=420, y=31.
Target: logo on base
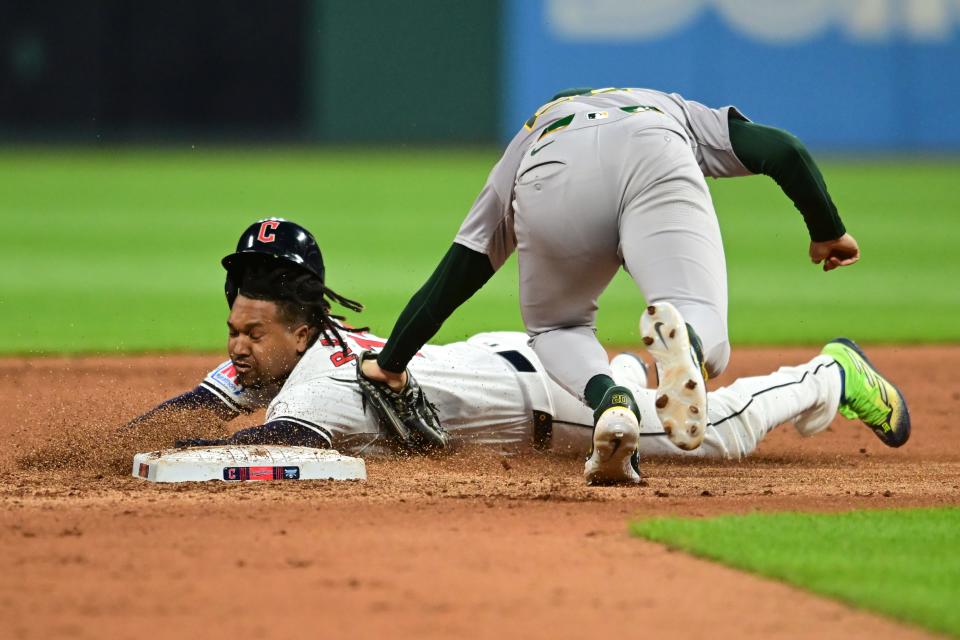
x=261, y=473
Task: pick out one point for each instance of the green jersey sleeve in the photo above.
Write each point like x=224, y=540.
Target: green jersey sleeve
x=460, y=274
x=780, y=155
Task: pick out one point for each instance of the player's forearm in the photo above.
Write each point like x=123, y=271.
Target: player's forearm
x=280, y=432
x=196, y=407
x=780, y=155
x=459, y=275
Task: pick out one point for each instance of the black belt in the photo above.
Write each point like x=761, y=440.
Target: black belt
x=518, y=360
x=542, y=421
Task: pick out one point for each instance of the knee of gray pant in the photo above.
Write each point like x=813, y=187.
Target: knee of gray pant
x=571, y=356
x=716, y=357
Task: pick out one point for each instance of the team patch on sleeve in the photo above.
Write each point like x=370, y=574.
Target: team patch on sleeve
x=223, y=382
x=226, y=375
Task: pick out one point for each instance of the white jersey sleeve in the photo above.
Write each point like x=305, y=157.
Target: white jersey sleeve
x=222, y=383
x=322, y=395
x=330, y=407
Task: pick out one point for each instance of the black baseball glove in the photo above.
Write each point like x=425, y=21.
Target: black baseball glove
x=406, y=416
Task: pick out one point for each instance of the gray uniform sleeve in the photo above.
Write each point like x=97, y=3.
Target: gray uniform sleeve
x=488, y=227
x=711, y=132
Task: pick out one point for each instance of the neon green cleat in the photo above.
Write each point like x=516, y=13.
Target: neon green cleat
x=868, y=396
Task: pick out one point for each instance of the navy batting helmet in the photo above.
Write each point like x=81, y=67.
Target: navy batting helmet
x=274, y=238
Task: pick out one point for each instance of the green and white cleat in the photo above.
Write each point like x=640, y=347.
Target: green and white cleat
x=682, y=391
x=868, y=396
x=614, y=455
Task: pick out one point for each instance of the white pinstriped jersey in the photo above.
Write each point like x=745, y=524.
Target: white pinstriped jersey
x=485, y=391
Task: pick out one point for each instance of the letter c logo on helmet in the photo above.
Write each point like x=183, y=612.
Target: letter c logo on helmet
x=276, y=238
x=267, y=227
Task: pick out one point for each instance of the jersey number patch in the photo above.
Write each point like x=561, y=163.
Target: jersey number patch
x=342, y=357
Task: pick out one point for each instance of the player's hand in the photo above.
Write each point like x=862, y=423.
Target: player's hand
x=372, y=371
x=841, y=252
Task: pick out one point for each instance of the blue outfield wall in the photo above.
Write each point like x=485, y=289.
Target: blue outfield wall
x=848, y=75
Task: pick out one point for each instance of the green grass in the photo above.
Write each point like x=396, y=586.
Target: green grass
x=902, y=563
x=118, y=250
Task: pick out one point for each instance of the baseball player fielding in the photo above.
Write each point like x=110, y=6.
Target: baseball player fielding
x=602, y=179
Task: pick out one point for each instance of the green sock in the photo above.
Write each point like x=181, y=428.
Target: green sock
x=597, y=388
x=602, y=393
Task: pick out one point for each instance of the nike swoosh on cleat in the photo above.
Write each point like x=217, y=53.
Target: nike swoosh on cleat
x=541, y=147
x=616, y=445
x=656, y=328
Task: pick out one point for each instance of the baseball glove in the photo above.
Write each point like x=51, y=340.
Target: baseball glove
x=407, y=416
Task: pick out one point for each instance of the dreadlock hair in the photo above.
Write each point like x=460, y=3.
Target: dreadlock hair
x=300, y=296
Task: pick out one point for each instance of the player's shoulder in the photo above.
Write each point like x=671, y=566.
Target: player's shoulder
x=223, y=384
x=363, y=340
x=332, y=353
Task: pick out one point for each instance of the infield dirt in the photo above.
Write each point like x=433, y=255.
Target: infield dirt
x=471, y=545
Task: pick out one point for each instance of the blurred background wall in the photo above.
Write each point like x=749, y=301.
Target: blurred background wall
x=853, y=75
x=841, y=74
x=108, y=70
x=322, y=70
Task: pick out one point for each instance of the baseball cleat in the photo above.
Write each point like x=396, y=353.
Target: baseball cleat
x=868, y=396
x=614, y=457
x=682, y=391
x=629, y=370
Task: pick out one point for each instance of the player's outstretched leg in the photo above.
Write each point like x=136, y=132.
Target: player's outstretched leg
x=681, y=393
x=613, y=455
x=869, y=396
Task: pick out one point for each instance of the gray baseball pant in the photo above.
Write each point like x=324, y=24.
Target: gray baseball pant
x=628, y=193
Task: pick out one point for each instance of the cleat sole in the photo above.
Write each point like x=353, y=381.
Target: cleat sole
x=681, y=395
x=615, y=440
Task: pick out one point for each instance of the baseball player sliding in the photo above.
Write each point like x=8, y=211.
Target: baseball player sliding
x=596, y=180
x=290, y=355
